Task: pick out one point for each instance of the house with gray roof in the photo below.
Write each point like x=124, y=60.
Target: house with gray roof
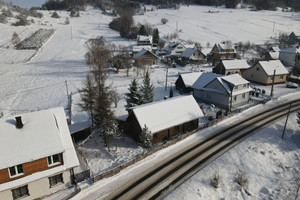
x=223, y=91
x=193, y=56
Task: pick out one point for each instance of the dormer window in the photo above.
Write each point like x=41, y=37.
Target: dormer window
x=53, y=160
x=16, y=171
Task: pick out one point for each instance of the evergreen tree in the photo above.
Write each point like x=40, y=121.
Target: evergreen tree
x=134, y=96
x=171, y=93
x=147, y=94
x=146, y=137
x=155, y=36
x=142, y=30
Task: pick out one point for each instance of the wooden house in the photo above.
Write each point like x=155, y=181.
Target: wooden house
x=145, y=58
x=263, y=72
x=165, y=118
x=227, y=67
x=223, y=91
x=290, y=56
x=37, y=155
x=185, y=81
x=222, y=51
x=193, y=56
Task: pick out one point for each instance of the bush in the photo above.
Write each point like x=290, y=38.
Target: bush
x=3, y=19
x=215, y=180
x=164, y=20
x=22, y=21
x=55, y=15
x=7, y=13
x=242, y=180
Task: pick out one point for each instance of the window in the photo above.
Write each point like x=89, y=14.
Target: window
x=16, y=171
x=257, y=68
x=54, y=180
x=244, y=96
x=236, y=87
x=20, y=192
x=245, y=85
x=53, y=160
x=154, y=136
x=272, y=77
x=234, y=98
x=281, y=77
x=176, y=129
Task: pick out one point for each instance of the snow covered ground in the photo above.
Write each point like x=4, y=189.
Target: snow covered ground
x=40, y=83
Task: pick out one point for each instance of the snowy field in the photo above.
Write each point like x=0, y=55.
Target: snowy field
x=34, y=80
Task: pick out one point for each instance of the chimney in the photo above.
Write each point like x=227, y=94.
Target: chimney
x=19, y=123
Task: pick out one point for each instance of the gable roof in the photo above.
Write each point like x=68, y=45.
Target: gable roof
x=235, y=64
x=172, y=46
x=204, y=79
x=271, y=65
x=164, y=114
x=142, y=52
x=235, y=79
x=190, y=78
x=44, y=133
x=189, y=51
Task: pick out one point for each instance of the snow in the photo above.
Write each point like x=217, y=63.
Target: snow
x=235, y=79
x=271, y=65
x=164, y=114
x=190, y=78
x=235, y=64
x=31, y=81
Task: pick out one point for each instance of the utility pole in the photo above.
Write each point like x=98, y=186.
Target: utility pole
x=287, y=117
x=272, y=88
x=166, y=78
x=71, y=32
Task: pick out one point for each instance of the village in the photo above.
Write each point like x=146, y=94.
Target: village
x=192, y=87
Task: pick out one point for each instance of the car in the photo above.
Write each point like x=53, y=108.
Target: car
x=291, y=85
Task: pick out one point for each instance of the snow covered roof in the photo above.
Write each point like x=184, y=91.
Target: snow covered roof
x=204, y=79
x=44, y=133
x=235, y=79
x=171, y=46
x=142, y=52
x=144, y=38
x=139, y=48
x=225, y=45
x=235, y=64
x=190, y=78
x=79, y=126
x=163, y=114
x=295, y=49
x=188, y=52
x=270, y=66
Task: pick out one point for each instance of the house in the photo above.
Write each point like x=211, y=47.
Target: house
x=165, y=118
x=185, y=81
x=143, y=40
x=174, y=49
x=145, y=57
x=222, y=51
x=263, y=71
x=294, y=38
x=193, y=55
x=224, y=91
x=227, y=67
x=272, y=53
x=290, y=56
x=37, y=155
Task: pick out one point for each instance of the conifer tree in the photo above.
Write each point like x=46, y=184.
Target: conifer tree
x=147, y=94
x=142, y=30
x=155, y=36
x=133, y=97
x=146, y=137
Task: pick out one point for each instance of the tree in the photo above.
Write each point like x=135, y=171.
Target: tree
x=155, y=36
x=147, y=94
x=134, y=96
x=142, y=30
x=125, y=22
x=55, y=15
x=15, y=39
x=296, y=69
x=171, y=93
x=95, y=95
x=231, y=3
x=164, y=20
x=115, y=97
x=146, y=138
